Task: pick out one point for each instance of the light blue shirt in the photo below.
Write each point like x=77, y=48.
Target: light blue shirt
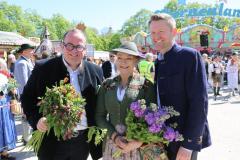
x=22, y=71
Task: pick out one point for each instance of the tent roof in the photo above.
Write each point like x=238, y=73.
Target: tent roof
x=10, y=38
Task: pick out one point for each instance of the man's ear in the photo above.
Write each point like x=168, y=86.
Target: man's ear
x=174, y=31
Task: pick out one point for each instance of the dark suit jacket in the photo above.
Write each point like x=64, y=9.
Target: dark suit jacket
x=107, y=69
x=46, y=74
x=181, y=80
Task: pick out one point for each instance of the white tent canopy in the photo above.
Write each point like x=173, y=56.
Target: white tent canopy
x=11, y=38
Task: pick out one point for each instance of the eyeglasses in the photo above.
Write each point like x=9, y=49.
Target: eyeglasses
x=112, y=56
x=71, y=47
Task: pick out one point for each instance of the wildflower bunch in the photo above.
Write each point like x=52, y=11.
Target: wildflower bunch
x=148, y=123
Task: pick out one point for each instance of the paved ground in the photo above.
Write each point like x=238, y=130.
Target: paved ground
x=224, y=119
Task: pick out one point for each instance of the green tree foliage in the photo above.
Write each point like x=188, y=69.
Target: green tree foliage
x=93, y=38
x=13, y=19
x=136, y=23
x=103, y=42
x=34, y=18
x=28, y=23
x=61, y=25
x=114, y=41
x=5, y=24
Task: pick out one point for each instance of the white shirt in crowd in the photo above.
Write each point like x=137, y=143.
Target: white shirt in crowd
x=216, y=67
x=114, y=69
x=73, y=74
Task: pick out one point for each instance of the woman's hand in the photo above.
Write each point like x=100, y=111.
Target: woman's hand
x=42, y=124
x=121, y=142
x=132, y=145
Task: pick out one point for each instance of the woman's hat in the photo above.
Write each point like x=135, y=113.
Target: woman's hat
x=128, y=48
x=24, y=47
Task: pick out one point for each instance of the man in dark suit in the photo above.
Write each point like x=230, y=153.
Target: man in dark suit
x=109, y=68
x=181, y=83
x=85, y=77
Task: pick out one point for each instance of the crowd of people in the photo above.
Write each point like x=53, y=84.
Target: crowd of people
x=222, y=71
x=178, y=76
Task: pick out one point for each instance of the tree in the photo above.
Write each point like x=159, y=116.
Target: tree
x=34, y=18
x=61, y=25
x=114, y=41
x=13, y=17
x=94, y=39
x=5, y=24
x=137, y=23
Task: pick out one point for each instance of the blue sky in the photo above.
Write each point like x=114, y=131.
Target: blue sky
x=99, y=13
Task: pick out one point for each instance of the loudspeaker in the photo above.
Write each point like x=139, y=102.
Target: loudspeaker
x=204, y=40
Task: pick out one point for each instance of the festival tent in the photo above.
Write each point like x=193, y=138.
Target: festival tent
x=13, y=39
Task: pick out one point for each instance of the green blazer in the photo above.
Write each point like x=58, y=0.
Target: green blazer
x=110, y=111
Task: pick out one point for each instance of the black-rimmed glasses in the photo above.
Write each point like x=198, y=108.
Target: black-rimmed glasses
x=71, y=47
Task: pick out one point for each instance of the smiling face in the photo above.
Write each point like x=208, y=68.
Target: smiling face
x=126, y=63
x=162, y=35
x=74, y=39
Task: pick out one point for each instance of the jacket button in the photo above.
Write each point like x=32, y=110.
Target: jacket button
x=162, y=62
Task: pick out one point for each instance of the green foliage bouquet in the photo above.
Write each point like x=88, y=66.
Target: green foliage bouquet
x=63, y=107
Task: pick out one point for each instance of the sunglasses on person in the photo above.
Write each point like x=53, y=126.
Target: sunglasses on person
x=71, y=47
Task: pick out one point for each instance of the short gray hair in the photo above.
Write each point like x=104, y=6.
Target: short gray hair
x=74, y=30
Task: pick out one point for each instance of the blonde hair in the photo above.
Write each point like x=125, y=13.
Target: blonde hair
x=163, y=16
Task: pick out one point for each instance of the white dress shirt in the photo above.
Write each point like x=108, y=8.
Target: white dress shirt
x=114, y=69
x=73, y=74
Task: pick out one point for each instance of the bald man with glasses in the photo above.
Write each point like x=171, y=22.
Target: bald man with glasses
x=85, y=77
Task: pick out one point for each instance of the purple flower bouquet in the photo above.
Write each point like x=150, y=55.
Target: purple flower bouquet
x=148, y=125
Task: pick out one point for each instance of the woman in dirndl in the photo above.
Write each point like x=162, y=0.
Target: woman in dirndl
x=114, y=98
x=8, y=135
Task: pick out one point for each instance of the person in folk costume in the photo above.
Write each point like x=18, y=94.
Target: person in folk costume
x=8, y=135
x=232, y=73
x=216, y=69
x=85, y=78
x=114, y=98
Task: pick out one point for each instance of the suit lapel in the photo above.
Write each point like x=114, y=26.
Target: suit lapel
x=84, y=78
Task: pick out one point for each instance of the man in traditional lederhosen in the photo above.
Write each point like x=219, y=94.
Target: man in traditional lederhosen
x=216, y=70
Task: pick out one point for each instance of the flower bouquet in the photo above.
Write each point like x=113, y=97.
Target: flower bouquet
x=148, y=125
x=62, y=106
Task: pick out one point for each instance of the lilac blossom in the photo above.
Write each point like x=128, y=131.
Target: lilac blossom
x=150, y=118
x=169, y=134
x=134, y=106
x=139, y=112
x=155, y=128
